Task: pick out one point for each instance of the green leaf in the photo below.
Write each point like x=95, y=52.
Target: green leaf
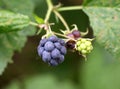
x=15, y=40
x=14, y=85
x=38, y=19
x=101, y=71
x=8, y=43
x=10, y=21
x=25, y=7
x=41, y=82
x=110, y=3
x=105, y=22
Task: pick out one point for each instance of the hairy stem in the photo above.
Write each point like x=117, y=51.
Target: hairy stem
x=63, y=36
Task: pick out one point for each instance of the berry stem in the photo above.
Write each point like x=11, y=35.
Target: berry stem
x=70, y=8
x=63, y=35
x=49, y=11
x=34, y=24
x=62, y=19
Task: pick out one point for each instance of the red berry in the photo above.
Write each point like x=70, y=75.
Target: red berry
x=76, y=34
x=70, y=35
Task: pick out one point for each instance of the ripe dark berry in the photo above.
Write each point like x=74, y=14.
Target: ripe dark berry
x=55, y=53
x=63, y=50
x=62, y=42
x=53, y=63
x=40, y=51
x=76, y=34
x=52, y=50
x=46, y=56
x=70, y=44
x=49, y=46
x=57, y=45
x=42, y=42
x=62, y=59
x=53, y=38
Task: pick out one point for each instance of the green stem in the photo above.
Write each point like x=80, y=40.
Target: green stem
x=63, y=35
x=49, y=11
x=70, y=8
x=33, y=23
x=62, y=19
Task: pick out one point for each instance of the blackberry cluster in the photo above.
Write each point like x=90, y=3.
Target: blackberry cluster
x=52, y=50
x=84, y=46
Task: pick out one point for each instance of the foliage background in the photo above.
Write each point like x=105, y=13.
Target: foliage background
x=101, y=71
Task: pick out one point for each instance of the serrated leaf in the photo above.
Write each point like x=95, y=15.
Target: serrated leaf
x=24, y=7
x=11, y=41
x=110, y=3
x=8, y=43
x=19, y=6
x=10, y=21
x=105, y=22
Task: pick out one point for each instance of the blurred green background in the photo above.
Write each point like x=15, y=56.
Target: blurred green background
x=28, y=71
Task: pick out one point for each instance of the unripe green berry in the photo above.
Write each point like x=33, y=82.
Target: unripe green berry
x=89, y=48
x=79, y=49
x=83, y=51
x=87, y=43
x=84, y=46
x=78, y=43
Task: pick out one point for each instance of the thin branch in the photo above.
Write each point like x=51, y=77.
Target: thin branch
x=62, y=19
x=70, y=8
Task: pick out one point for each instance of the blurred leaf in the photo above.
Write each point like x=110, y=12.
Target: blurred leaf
x=10, y=21
x=9, y=42
x=100, y=3
x=41, y=8
x=42, y=82
x=14, y=85
x=5, y=54
x=105, y=22
x=1, y=4
x=25, y=7
x=38, y=19
x=46, y=82
x=101, y=71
